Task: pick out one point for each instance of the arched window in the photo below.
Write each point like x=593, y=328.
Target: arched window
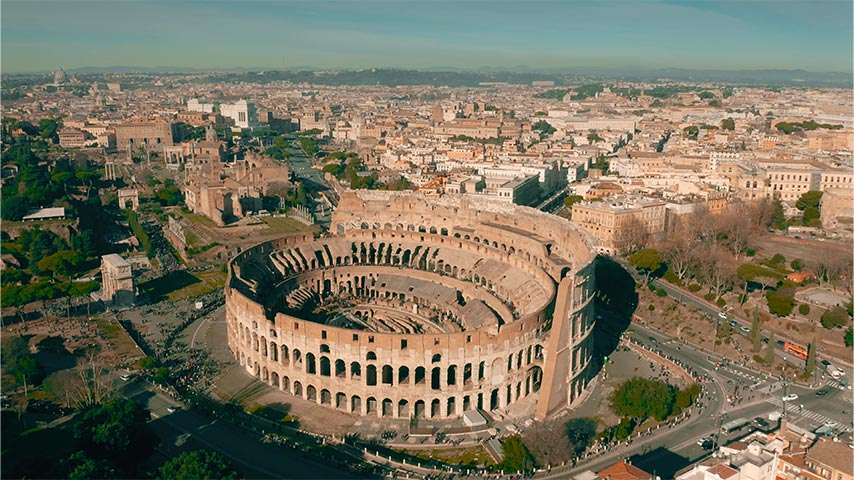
x=325, y=369
x=452, y=375
x=310, y=366
x=388, y=375
x=371, y=356
x=435, y=378
x=372, y=375
x=403, y=375
x=355, y=370
x=420, y=373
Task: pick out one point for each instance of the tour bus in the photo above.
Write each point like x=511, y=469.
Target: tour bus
x=795, y=349
x=734, y=425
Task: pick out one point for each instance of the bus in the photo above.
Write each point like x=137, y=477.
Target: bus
x=795, y=349
x=734, y=425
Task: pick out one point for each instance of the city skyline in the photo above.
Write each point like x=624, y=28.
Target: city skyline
x=428, y=35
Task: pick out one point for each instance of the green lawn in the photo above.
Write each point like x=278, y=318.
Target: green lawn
x=181, y=284
x=286, y=225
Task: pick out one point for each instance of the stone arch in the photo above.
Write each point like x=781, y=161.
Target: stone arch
x=325, y=397
x=341, y=401
x=452, y=375
x=311, y=393
x=436, y=358
x=297, y=389
x=310, y=365
x=286, y=384
x=356, y=404
x=371, y=356
x=371, y=375
x=467, y=374
x=419, y=409
x=435, y=378
x=340, y=368
x=274, y=379
x=451, y=409
x=435, y=408
x=420, y=374
x=403, y=375
x=403, y=408
x=493, y=399
x=371, y=406
x=387, y=408
x=387, y=375
x=325, y=367
x=274, y=352
x=297, y=356
x=355, y=370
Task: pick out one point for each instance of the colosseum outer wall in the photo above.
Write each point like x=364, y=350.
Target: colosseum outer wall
x=545, y=352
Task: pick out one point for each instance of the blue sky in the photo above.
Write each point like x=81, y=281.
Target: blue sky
x=733, y=34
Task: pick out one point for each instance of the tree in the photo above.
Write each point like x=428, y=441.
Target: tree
x=849, y=337
x=728, y=124
x=717, y=270
x=685, y=398
x=797, y=264
x=634, y=235
x=778, y=217
x=580, y=432
x=691, y=132
x=571, y=200
x=809, y=199
x=20, y=362
x=809, y=366
x=834, y=318
x=756, y=331
x=647, y=260
x=49, y=129
x=781, y=301
x=642, y=398
x=517, y=457
x=197, y=465
x=117, y=431
x=769, y=349
x=544, y=128
x=84, y=467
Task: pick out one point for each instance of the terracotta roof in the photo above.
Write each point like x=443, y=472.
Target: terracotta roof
x=723, y=471
x=836, y=455
x=623, y=471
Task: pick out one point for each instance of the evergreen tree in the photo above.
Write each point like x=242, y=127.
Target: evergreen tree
x=769, y=349
x=756, y=331
x=809, y=368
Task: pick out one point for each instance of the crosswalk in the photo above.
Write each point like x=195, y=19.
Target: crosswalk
x=836, y=384
x=814, y=419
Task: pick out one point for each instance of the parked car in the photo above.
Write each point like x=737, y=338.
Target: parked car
x=822, y=391
x=790, y=397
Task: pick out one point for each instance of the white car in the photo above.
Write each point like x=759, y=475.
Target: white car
x=722, y=315
x=790, y=397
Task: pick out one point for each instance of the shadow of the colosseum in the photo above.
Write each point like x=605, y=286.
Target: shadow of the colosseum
x=616, y=302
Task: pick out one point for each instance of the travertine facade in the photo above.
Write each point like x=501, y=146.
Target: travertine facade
x=419, y=307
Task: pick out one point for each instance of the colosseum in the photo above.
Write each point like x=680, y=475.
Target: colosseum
x=416, y=306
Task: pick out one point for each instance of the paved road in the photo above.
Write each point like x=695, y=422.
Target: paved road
x=679, y=445
x=185, y=428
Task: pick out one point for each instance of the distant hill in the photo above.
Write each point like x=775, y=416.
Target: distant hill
x=474, y=77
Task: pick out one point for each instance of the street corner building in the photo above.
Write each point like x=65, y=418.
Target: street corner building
x=417, y=306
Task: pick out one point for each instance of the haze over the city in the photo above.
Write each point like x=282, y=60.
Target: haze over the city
x=815, y=36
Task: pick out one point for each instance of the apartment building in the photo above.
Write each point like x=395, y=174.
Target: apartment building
x=242, y=112
x=617, y=221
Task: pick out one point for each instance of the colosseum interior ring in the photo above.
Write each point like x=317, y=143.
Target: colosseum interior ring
x=422, y=307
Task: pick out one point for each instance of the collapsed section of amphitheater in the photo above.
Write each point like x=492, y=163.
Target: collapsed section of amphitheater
x=419, y=306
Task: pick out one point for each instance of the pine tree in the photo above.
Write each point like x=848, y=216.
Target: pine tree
x=756, y=331
x=769, y=349
x=809, y=368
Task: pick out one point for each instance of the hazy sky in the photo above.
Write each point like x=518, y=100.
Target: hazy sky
x=733, y=34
